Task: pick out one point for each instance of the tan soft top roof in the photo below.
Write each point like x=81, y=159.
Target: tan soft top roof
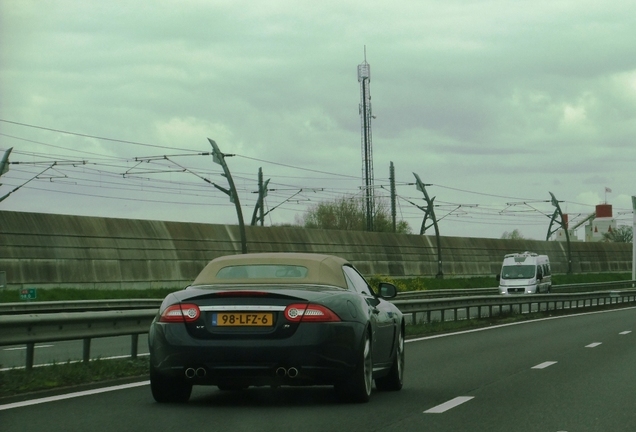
x=321, y=269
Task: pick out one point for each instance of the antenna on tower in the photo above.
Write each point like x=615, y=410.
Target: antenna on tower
x=364, y=78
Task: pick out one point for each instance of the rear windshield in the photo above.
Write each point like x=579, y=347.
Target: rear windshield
x=518, y=272
x=265, y=271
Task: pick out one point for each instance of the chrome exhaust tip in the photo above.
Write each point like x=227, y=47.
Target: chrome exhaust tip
x=281, y=372
x=201, y=372
x=190, y=373
x=292, y=372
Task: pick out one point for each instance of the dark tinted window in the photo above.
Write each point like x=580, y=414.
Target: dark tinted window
x=269, y=271
x=518, y=272
x=356, y=282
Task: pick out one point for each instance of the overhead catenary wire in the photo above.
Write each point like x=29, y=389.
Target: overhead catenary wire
x=99, y=172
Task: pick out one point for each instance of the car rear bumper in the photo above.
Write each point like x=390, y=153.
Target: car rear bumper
x=315, y=354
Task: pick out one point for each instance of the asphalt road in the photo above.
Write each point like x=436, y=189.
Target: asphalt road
x=575, y=373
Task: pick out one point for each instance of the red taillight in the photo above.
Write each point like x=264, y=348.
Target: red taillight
x=179, y=313
x=309, y=313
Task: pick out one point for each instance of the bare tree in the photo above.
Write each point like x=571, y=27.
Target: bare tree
x=514, y=235
x=348, y=213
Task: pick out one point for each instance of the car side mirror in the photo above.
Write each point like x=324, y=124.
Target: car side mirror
x=387, y=290
x=498, y=277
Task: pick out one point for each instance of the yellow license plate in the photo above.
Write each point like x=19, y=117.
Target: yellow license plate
x=240, y=319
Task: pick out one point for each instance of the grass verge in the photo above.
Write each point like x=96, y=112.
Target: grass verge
x=57, y=376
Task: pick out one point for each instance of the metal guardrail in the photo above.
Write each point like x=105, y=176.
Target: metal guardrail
x=446, y=293
x=416, y=307
x=47, y=325
x=52, y=327
x=30, y=329
x=594, y=286
x=78, y=306
x=460, y=292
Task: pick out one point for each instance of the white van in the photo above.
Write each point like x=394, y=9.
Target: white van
x=525, y=273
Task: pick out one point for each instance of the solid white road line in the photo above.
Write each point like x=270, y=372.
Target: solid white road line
x=544, y=365
x=448, y=405
x=593, y=345
x=72, y=395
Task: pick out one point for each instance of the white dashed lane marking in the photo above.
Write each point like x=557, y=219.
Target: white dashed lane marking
x=21, y=348
x=544, y=365
x=625, y=332
x=448, y=405
x=593, y=345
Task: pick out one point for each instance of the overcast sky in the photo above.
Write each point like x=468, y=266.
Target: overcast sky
x=494, y=104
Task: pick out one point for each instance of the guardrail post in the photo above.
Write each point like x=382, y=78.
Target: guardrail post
x=87, y=350
x=30, y=351
x=134, y=339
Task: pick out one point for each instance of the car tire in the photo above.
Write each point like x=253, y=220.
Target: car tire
x=169, y=389
x=357, y=388
x=395, y=378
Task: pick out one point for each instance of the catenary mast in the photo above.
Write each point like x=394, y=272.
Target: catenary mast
x=364, y=78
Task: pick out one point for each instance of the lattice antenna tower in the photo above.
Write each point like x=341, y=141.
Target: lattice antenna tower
x=364, y=78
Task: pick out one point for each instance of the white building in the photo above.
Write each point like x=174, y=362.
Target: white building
x=603, y=223
x=597, y=224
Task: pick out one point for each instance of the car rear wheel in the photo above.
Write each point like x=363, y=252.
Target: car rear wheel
x=394, y=380
x=169, y=389
x=358, y=387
